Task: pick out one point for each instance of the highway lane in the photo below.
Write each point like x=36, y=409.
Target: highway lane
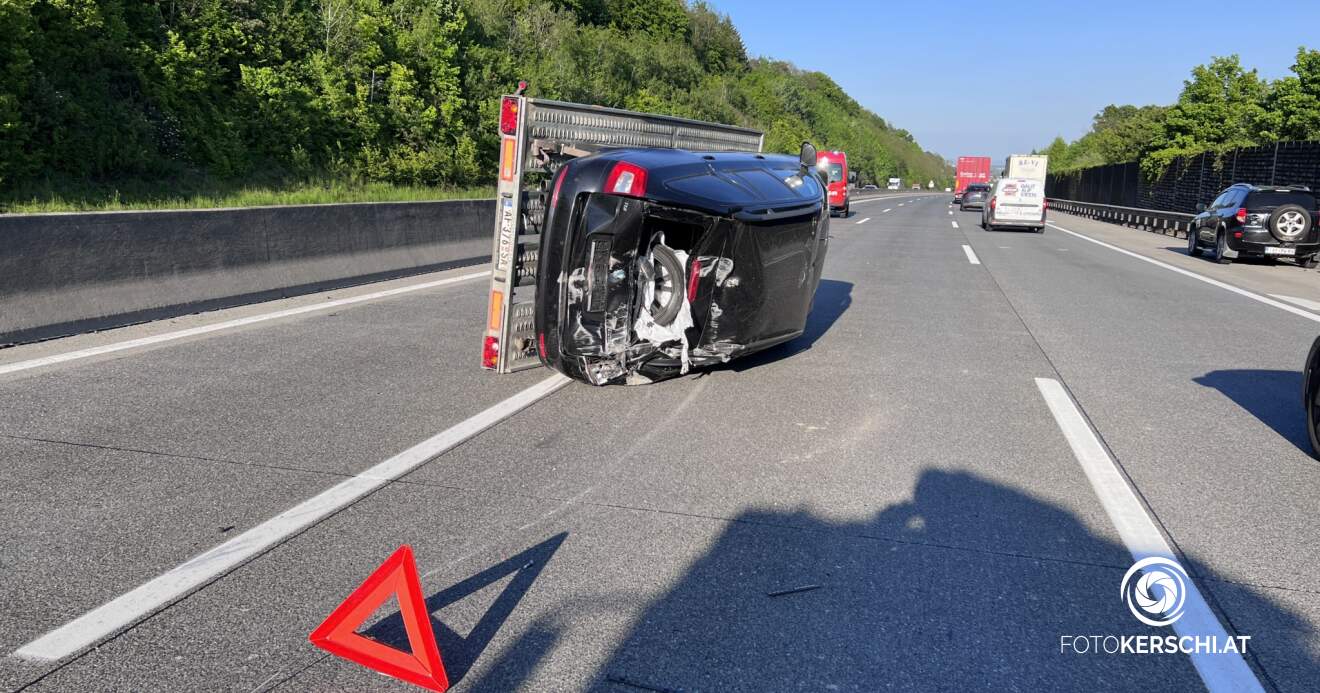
x=899, y=455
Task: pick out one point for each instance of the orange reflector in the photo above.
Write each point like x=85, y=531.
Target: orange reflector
x=508, y=151
x=496, y=310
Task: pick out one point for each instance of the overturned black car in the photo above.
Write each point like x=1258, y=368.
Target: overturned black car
x=655, y=261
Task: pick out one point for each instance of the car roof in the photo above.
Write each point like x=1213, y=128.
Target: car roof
x=1270, y=188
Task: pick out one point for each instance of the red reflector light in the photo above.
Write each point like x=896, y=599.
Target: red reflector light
x=694, y=276
x=490, y=353
x=1044, y=205
x=540, y=341
x=509, y=115
x=1241, y=214
x=1237, y=234
x=626, y=179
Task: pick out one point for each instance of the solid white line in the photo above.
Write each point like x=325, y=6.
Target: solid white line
x=178, y=582
x=955, y=224
x=864, y=220
x=227, y=325
x=1199, y=277
x=1303, y=302
x=971, y=255
x=1220, y=672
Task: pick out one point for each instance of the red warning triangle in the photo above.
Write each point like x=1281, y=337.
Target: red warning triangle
x=338, y=635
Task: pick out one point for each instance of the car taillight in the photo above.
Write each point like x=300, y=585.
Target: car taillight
x=554, y=196
x=509, y=115
x=1241, y=215
x=626, y=179
x=693, y=278
x=992, y=204
x=490, y=353
x=540, y=341
x=1044, y=205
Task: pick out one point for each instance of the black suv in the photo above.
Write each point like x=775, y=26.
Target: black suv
x=975, y=195
x=1258, y=221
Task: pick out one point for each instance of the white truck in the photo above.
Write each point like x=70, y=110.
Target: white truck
x=1018, y=198
x=894, y=183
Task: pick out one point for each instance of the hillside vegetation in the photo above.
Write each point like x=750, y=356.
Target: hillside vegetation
x=1222, y=106
x=119, y=102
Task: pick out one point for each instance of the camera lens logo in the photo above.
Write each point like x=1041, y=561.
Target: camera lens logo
x=1155, y=590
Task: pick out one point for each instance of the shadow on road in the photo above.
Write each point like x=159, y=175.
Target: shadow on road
x=968, y=586
x=459, y=652
x=1274, y=397
x=832, y=300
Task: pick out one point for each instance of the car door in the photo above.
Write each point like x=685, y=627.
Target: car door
x=1207, y=222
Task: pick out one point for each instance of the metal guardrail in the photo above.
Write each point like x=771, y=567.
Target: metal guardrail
x=1156, y=221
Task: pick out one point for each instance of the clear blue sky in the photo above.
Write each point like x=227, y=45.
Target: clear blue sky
x=987, y=78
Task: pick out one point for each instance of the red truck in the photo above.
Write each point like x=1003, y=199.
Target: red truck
x=834, y=164
x=971, y=169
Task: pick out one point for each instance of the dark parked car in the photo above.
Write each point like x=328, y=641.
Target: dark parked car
x=1258, y=221
x=974, y=196
x=653, y=261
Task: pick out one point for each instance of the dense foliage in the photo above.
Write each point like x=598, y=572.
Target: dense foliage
x=1222, y=106
x=399, y=91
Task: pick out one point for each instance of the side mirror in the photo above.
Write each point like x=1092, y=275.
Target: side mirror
x=808, y=156
x=1200, y=207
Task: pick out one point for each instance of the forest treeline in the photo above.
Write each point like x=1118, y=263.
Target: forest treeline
x=1223, y=106
x=378, y=91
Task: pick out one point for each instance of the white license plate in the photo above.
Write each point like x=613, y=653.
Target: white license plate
x=1280, y=251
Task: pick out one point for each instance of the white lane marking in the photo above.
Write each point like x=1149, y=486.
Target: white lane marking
x=951, y=212
x=178, y=582
x=955, y=224
x=971, y=255
x=901, y=204
x=1005, y=247
x=1303, y=302
x=1199, y=277
x=1220, y=672
x=227, y=325
x=885, y=210
x=864, y=220
x=1062, y=250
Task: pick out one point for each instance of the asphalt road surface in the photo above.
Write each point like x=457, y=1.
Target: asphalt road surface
x=962, y=455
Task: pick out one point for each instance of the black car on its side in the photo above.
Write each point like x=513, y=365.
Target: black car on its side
x=653, y=261
x=974, y=197
x=1258, y=221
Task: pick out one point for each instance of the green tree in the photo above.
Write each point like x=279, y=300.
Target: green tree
x=1221, y=107
x=1294, y=102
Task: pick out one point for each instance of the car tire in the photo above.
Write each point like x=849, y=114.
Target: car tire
x=1040, y=230
x=1193, y=247
x=1221, y=248
x=670, y=285
x=847, y=209
x=1310, y=391
x=1289, y=223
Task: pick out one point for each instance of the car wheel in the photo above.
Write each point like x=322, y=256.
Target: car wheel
x=847, y=209
x=1221, y=248
x=1193, y=248
x=668, y=297
x=1289, y=223
x=1040, y=229
x=1310, y=392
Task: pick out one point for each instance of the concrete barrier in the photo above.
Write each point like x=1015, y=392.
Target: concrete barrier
x=62, y=274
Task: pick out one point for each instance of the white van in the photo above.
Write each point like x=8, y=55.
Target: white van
x=1016, y=202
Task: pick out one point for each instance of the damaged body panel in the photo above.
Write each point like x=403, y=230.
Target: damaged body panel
x=657, y=261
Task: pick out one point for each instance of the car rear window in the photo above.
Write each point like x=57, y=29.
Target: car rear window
x=1275, y=198
x=977, y=188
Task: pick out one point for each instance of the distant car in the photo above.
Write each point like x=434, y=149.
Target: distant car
x=916, y=187
x=870, y=186
x=948, y=190
x=974, y=196
x=1258, y=221
x=657, y=260
x=834, y=169
x=1015, y=202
